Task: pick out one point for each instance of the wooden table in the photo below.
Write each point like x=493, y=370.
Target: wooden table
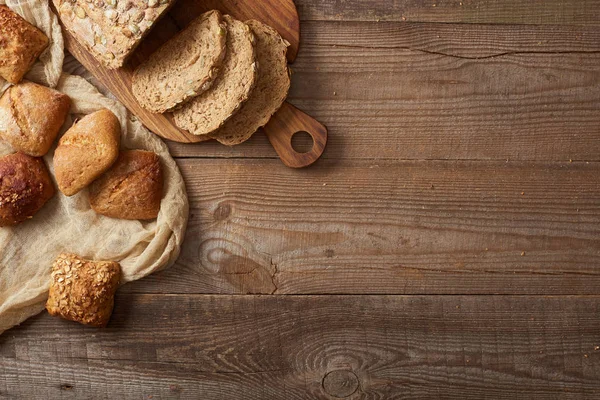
x=446, y=246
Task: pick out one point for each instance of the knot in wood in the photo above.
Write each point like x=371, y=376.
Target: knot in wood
x=340, y=383
x=222, y=211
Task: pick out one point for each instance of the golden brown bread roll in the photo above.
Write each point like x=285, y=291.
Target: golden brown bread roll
x=31, y=116
x=86, y=151
x=20, y=45
x=83, y=290
x=131, y=189
x=25, y=187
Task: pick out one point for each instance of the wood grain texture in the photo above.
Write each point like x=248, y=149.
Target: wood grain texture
x=388, y=227
x=532, y=12
x=280, y=14
x=288, y=347
x=439, y=91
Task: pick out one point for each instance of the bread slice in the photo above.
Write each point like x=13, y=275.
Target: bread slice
x=210, y=110
x=86, y=151
x=183, y=67
x=271, y=89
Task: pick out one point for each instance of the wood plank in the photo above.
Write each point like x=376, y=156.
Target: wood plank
x=436, y=91
x=532, y=12
x=317, y=347
x=388, y=227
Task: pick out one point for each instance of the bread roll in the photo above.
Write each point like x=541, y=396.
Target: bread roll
x=86, y=151
x=31, y=116
x=131, y=189
x=25, y=187
x=20, y=45
x=83, y=290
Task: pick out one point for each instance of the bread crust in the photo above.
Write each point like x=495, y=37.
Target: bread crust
x=184, y=67
x=31, y=116
x=86, y=151
x=83, y=290
x=20, y=45
x=131, y=189
x=109, y=29
x=25, y=187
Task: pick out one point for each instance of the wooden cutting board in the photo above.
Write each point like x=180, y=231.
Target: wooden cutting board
x=280, y=14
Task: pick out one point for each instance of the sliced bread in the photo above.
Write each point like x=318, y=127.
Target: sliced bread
x=272, y=86
x=210, y=110
x=183, y=67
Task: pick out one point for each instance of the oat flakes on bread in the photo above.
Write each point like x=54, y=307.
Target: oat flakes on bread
x=184, y=67
x=272, y=86
x=25, y=187
x=31, y=116
x=83, y=290
x=86, y=151
x=131, y=189
x=110, y=29
x=20, y=45
x=209, y=111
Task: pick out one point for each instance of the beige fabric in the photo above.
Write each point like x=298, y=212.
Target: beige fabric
x=67, y=224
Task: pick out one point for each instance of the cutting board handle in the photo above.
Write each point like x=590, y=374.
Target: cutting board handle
x=284, y=125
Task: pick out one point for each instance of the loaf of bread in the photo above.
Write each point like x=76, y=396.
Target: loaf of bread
x=83, y=290
x=271, y=88
x=183, y=67
x=210, y=110
x=20, y=45
x=86, y=151
x=25, y=187
x=131, y=189
x=31, y=116
x=110, y=29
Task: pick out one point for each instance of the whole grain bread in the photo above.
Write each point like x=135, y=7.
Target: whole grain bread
x=31, y=116
x=20, y=45
x=110, y=29
x=83, y=290
x=25, y=187
x=272, y=86
x=184, y=67
x=86, y=151
x=131, y=189
x=210, y=110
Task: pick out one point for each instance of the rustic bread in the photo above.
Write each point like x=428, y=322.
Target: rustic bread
x=20, y=45
x=83, y=290
x=25, y=187
x=110, y=29
x=210, y=110
x=183, y=67
x=272, y=86
x=131, y=189
x=86, y=151
x=31, y=116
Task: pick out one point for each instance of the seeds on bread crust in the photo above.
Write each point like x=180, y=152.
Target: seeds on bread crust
x=184, y=67
x=271, y=89
x=210, y=110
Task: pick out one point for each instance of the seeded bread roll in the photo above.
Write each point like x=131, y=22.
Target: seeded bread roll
x=83, y=290
x=184, y=67
x=31, y=116
x=210, y=110
x=271, y=88
x=25, y=187
x=110, y=29
x=20, y=45
x=86, y=151
x=131, y=189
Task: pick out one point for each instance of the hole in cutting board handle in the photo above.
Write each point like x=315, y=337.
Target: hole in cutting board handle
x=302, y=142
